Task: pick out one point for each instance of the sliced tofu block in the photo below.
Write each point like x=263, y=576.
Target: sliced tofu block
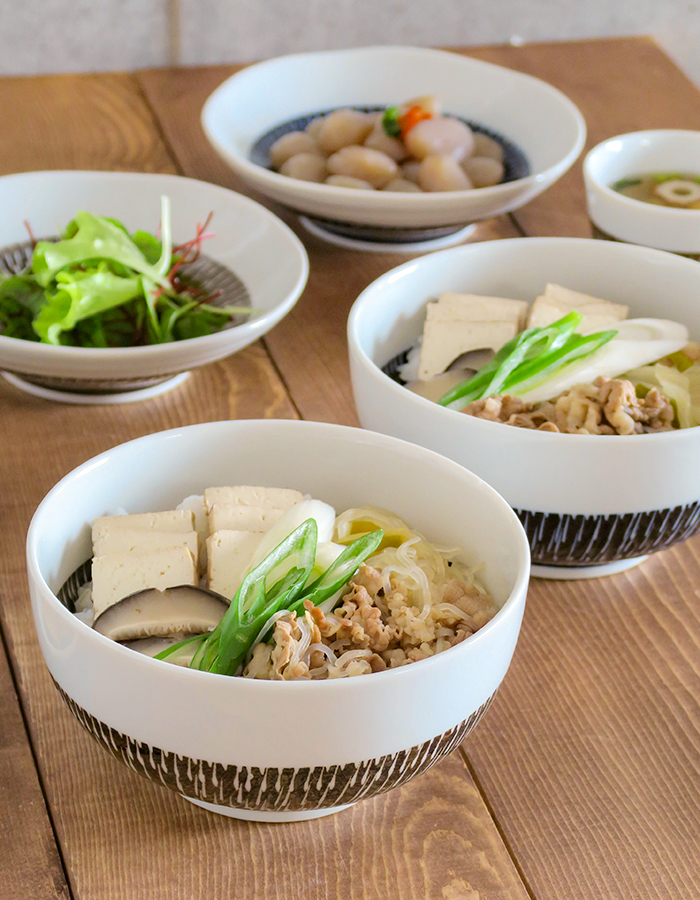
x=228, y=555
x=444, y=341
x=175, y=520
x=248, y=495
x=475, y=308
x=242, y=518
x=131, y=540
x=558, y=301
x=116, y=575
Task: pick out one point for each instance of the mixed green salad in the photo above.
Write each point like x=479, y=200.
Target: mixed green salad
x=99, y=286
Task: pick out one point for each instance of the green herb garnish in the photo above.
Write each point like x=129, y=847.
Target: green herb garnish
x=99, y=286
x=390, y=121
x=626, y=183
x=257, y=600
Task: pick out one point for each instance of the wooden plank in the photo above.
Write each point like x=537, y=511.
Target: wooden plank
x=78, y=122
x=309, y=346
x=30, y=866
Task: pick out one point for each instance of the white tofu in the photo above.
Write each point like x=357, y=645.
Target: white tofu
x=248, y=495
x=174, y=520
x=116, y=575
x=228, y=555
x=131, y=540
x=475, y=308
x=557, y=301
x=242, y=518
x=444, y=341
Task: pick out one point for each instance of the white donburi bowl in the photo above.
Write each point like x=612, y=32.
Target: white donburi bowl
x=248, y=240
x=587, y=502
x=261, y=749
x=534, y=116
x=625, y=219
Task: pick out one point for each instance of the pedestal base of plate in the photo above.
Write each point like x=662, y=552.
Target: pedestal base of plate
x=574, y=573
x=252, y=815
x=45, y=393
x=419, y=245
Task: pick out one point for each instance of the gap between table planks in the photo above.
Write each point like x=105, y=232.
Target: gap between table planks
x=120, y=836
x=590, y=758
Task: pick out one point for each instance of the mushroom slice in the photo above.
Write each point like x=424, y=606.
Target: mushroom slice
x=176, y=611
x=152, y=646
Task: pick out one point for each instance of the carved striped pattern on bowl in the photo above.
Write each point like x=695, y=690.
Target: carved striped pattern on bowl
x=567, y=540
x=273, y=789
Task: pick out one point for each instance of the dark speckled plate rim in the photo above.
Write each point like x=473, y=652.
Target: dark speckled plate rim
x=516, y=164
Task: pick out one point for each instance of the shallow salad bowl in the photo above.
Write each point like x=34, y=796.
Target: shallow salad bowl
x=591, y=504
x=270, y=750
x=531, y=115
x=246, y=239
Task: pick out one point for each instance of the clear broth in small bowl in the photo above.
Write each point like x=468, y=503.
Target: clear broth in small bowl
x=675, y=190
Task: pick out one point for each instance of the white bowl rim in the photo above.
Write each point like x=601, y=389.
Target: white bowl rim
x=153, y=351
x=650, y=209
x=259, y=684
x=378, y=198
x=474, y=422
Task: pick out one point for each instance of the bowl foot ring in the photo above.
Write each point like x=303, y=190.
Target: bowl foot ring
x=98, y=399
x=315, y=227
x=574, y=573
x=254, y=815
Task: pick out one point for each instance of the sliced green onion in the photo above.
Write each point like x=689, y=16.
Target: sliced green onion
x=626, y=183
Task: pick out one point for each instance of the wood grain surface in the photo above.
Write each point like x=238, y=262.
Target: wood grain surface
x=582, y=781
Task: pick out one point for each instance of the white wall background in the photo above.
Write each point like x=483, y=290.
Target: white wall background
x=97, y=35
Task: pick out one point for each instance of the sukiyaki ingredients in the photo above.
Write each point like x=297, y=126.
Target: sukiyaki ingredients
x=458, y=323
x=607, y=406
x=637, y=342
x=174, y=612
x=353, y=149
x=143, y=550
x=557, y=301
x=116, y=575
x=674, y=189
x=307, y=599
x=678, y=378
x=242, y=518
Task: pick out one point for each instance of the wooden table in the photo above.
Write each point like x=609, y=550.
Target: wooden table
x=584, y=779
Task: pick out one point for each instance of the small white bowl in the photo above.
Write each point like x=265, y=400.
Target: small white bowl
x=625, y=219
x=248, y=240
x=590, y=504
x=268, y=750
x=535, y=117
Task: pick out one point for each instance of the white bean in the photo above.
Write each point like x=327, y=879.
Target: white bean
x=486, y=146
x=305, y=167
x=410, y=170
x=314, y=127
x=440, y=137
x=380, y=140
x=348, y=182
x=482, y=171
x=290, y=144
x=343, y=128
x=363, y=163
x=442, y=173
x=403, y=186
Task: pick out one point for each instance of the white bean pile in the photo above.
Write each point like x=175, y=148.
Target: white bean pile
x=351, y=149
